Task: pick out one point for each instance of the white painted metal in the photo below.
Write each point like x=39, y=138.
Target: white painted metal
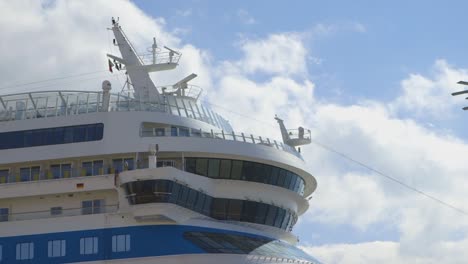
x=125, y=136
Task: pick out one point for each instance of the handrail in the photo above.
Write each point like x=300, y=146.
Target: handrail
x=221, y=134
x=64, y=103
x=63, y=212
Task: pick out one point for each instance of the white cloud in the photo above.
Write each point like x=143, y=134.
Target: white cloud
x=69, y=36
x=245, y=17
x=321, y=29
x=431, y=95
x=60, y=38
x=283, y=54
x=387, y=252
x=184, y=12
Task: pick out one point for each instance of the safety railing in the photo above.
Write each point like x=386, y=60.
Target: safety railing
x=48, y=174
x=65, y=103
x=160, y=57
x=221, y=134
x=58, y=212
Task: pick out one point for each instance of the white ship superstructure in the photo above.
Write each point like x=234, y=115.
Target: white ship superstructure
x=150, y=176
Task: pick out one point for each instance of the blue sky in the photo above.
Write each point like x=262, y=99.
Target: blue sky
x=347, y=64
x=372, y=79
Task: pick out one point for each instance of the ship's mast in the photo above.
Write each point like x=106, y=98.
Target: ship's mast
x=137, y=70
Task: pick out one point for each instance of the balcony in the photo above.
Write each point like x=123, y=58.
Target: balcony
x=54, y=213
x=220, y=134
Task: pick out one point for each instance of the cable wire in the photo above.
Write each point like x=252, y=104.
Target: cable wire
x=395, y=180
x=368, y=167
x=52, y=79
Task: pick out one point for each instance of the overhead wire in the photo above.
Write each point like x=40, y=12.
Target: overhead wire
x=362, y=164
x=51, y=79
x=323, y=146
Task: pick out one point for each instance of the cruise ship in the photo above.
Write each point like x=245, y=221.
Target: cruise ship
x=145, y=175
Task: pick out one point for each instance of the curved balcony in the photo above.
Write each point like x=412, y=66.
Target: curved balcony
x=220, y=134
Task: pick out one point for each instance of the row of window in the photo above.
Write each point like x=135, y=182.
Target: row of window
x=246, y=171
x=51, y=136
x=65, y=170
x=166, y=191
x=58, y=248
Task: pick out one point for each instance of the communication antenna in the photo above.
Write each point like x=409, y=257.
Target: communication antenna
x=154, y=47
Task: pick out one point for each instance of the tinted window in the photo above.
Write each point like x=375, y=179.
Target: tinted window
x=246, y=171
x=152, y=191
x=236, y=169
x=213, y=168
x=51, y=136
x=202, y=167
x=225, y=169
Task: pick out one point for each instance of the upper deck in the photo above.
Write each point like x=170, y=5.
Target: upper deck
x=49, y=104
x=46, y=104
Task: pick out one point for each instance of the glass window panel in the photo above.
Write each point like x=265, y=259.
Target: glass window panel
x=271, y=215
x=25, y=174
x=86, y=207
x=281, y=177
x=236, y=169
x=4, y=214
x=199, y=203
x=287, y=180
x=235, y=210
x=99, y=131
x=207, y=205
x=248, y=171
x=225, y=169
x=184, y=132
x=190, y=165
x=4, y=176
x=91, y=133
x=213, y=168
x=192, y=199
x=261, y=212
x=219, y=208
x=274, y=175
x=79, y=134
x=68, y=136
x=202, y=167
x=87, y=168
x=280, y=217
x=174, y=131
x=249, y=211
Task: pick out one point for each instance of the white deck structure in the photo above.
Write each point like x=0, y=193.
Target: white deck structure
x=152, y=176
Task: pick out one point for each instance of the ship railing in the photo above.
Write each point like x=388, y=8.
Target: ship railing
x=271, y=259
x=58, y=212
x=47, y=104
x=160, y=57
x=219, y=134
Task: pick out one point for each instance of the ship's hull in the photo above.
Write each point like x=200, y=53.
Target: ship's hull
x=150, y=244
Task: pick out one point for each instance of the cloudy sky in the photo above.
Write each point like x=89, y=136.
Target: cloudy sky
x=372, y=80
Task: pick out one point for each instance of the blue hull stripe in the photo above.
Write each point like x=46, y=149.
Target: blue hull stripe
x=146, y=241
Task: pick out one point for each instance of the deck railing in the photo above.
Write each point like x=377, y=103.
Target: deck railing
x=48, y=104
x=57, y=212
x=220, y=134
